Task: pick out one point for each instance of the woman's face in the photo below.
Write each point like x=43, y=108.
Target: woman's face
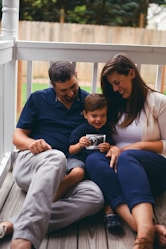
x=122, y=83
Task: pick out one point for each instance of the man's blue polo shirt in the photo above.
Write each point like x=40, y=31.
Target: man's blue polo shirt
x=49, y=119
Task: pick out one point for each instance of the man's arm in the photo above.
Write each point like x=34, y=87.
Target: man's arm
x=22, y=141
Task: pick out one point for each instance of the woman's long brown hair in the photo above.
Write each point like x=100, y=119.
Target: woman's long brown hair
x=117, y=106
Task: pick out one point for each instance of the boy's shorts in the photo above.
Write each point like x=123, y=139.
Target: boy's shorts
x=73, y=163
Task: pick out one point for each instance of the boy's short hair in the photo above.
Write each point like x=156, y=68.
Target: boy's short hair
x=94, y=101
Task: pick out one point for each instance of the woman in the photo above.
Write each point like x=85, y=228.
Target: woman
x=136, y=116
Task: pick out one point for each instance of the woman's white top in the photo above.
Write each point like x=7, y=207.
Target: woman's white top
x=151, y=125
x=129, y=135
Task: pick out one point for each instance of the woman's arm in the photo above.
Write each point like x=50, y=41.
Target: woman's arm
x=155, y=146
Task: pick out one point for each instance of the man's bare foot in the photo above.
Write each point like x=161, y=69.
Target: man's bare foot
x=21, y=244
x=160, y=233
x=6, y=228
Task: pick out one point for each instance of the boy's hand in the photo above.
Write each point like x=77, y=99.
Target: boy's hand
x=103, y=147
x=84, y=142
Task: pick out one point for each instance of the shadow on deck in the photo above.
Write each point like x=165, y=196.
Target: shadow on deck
x=89, y=233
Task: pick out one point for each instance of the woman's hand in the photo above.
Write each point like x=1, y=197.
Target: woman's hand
x=113, y=153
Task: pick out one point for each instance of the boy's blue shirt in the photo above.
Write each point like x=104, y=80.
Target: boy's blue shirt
x=81, y=131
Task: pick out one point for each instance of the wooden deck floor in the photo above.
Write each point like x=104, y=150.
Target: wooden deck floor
x=89, y=233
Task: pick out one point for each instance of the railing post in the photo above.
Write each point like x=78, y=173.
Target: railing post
x=10, y=17
x=8, y=74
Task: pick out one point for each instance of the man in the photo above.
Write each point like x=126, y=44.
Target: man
x=42, y=136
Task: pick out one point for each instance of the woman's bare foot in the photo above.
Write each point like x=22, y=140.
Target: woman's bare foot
x=6, y=228
x=143, y=243
x=160, y=234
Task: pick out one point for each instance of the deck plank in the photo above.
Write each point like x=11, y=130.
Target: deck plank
x=124, y=241
x=92, y=234
x=65, y=238
x=89, y=233
x=44, y=243
x=160, y=209
x=12, y=198
x=4, y=191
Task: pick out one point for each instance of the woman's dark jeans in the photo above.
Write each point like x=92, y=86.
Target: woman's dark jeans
x=140, y=175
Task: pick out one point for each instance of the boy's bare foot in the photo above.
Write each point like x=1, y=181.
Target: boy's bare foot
x=21, y=244
x=160, y=233
x=6, y=228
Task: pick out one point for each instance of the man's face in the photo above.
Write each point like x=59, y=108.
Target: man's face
x=67, y=91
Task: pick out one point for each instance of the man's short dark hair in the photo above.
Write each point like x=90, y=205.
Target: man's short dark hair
x=61, y=71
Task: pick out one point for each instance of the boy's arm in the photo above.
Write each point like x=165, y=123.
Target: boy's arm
x=76, y=148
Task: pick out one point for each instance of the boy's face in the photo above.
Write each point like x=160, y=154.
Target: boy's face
x=96, y=118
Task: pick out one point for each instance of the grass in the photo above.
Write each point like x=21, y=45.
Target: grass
x=40, y=86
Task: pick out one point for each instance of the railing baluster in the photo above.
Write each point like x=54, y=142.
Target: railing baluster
x=158, y=78
x=74, y=64
x=29, y=78
x=139, y=67
x=1, y=113
x=94, y=77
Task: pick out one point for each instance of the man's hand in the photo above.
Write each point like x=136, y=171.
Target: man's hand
x=38, y=146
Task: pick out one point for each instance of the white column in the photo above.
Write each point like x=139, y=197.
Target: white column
x=8, y=74
x=10, y=18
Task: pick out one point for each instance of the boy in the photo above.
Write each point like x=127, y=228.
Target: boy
x=91, y=135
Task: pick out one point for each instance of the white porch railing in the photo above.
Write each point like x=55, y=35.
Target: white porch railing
x=12, y=50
